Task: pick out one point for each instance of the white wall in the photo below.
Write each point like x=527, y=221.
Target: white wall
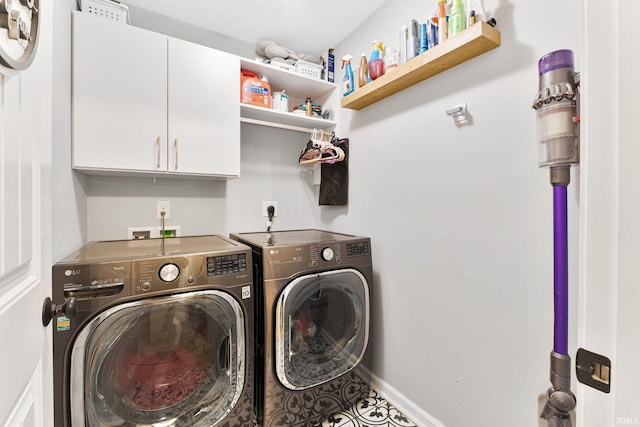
x=69, y=214
x=461, y=221
x=269, y=172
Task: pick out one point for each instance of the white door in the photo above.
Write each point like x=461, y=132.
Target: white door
x=609, y=322
x=119, y=96
x=25, y=242
x=204, y=112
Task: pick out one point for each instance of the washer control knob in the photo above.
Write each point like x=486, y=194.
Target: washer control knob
x=327, y=254
x=169, y=272
x=145, y=286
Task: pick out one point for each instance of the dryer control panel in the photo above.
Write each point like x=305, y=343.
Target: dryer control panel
x=285, y=261
x=358, y=249
x=327, y=253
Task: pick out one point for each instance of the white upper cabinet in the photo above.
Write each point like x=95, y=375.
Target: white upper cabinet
x=147, y=103
x=204, y=125
x=119, y=96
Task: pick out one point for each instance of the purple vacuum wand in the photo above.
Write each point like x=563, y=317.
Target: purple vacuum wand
x=558, y=139
x=560, y=271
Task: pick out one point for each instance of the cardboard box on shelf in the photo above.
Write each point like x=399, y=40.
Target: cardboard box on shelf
x=329, y=65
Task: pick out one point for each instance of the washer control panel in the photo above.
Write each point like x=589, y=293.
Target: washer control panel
x=160, y=274
x=225, y=264
x=88, y=281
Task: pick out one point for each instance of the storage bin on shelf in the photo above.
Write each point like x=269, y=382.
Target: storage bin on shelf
x=107, y=9
x=309, y=69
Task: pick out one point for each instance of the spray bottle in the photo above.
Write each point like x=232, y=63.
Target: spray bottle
x=347, y=81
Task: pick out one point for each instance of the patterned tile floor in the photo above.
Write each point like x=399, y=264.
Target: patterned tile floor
x=370, y=412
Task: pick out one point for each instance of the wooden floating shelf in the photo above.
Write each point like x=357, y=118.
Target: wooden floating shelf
x=472, y=42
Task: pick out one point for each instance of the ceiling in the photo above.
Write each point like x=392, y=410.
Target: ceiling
x=300, y=25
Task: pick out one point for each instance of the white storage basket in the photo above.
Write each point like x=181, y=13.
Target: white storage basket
x=106, y=9
x=283, y=66
x=309, y=69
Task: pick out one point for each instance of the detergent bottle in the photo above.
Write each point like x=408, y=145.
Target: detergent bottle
x=443, y=24
x=363, y=71
x=457, y=18
x=347, y=81
x=376, y=61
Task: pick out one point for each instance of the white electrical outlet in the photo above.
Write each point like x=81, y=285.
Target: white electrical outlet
x=163, y=206
x=265, y=205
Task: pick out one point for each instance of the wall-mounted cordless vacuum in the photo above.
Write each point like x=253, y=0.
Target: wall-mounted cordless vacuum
x=556, y=106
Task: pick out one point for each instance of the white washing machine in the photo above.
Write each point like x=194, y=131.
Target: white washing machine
x=313, y=317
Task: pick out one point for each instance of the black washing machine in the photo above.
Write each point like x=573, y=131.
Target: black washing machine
x=162, y=334
x=313, y=317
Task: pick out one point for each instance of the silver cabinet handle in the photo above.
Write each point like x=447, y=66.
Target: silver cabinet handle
x=177, y=149
x=158, y=154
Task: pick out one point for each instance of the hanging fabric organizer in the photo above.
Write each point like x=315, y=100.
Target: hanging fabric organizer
x=332, y=154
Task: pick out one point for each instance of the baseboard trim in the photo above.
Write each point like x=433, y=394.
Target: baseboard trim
x=415, y=413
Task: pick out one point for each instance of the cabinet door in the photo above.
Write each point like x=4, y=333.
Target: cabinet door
x=204, y=112
x=119, y=96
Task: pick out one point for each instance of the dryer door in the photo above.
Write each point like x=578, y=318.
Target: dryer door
x=170, y=361
x=322, y=324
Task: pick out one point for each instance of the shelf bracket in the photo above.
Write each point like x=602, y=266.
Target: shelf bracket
x=458, y=114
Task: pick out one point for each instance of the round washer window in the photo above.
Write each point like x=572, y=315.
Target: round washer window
x=176, y=360
x=322, y=327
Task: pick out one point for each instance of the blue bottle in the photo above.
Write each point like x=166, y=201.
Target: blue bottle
x=424, y=43
x=347, y=81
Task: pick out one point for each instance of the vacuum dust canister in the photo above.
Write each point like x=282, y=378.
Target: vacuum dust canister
x=556, y=106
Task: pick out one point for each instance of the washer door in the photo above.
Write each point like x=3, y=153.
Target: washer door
x=171, y=361
x=322, y=324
